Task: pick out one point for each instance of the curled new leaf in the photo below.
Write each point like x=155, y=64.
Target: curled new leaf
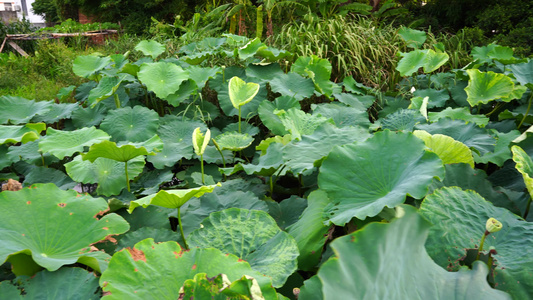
x=200, y=141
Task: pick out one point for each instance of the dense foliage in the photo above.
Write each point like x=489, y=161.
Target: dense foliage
x=224, y=170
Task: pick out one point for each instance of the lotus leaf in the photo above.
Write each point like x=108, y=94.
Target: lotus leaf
x=252, y=236
x=402, y=120
x=66, y=143
x=159, y=270
x=342, y=115
x=234, y=141
x=270, y=119
x=487, y=53
x=459, y=113
x=64, y=284
x=312, y=289
x=463, y=176
x=201, y=75
x=87, y=117
x=56, y=227
x=319, y=70
x=150, y=48
x=18, y=110
x=241, y=92
x=159, y=235
x=317, y=145
x=299, y=123
x=200, y=141
x=501, y=152
x=397, y=266
x=484, y=87
x=310, y=232
x=124, y=152
x=220, y=288
x=105, y=89
x=172, y=198
x=354, y=101
x=273, y=54
x=89, y=65
x=288, y=211
x=56, y=113
x=108, y=173
x=414, y=38
x=523, y=73
x=449, y=150
x=351, y=86
x=524, y=165
x=20, y=133
x=135, y=124
x=48, y=175
x=437, y=98
x=456, y=229
x=364, y=177
x=467, y=133
x=162, y=78
x=293, y=85
x=416, y=59
x=264, y=73
x=251, y=48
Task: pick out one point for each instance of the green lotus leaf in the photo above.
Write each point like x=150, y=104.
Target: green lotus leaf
x=5, y=161
x=351, y=86
x=131, y=124
x=149, y=181
x=20, y=133
x=463, y=176
x=252, y=236
x=264, y=73
x=176, y=134
x=288, y=211
x=484, y=87
x=319, y=70
x=317, y=145
x=293, y=85
x=251, y=48
x=234, y=141
x=435, y=60
x=159, y=270
x=150, y=48
x=273, y=54
x=88, y=65
x=355, y=101
x=437, y=98
x=56, y=113
x=66, y=143
x=63, y=284
x=402, y=120
x=523, y=72
x=48, y=175
x=310, y=232
x=312, y=289
x=162, y=78
x=456, y=229
x=62, y=227
x=30, y=154
x=87, y=117
x=108, y=173
x=172, y=198
x=124, y=152
x=397, y=266
x=341, y=114
x=380, y=171
x=266, y=165
x=416, y=59
x=490, y=52
x=105, y=89
x=449, y=150
x=270, y=119
x=227, y=196
x=502, y=151
x=459, y=113
x=159, y=235
x=524, y=165
x=412, y=37
x=241, y=92
x=201, y=75
x=200, y=141
x=299, y=123
x=18, y=110
x=469, y=134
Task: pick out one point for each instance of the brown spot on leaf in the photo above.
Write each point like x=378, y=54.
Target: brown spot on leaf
x=105, y=228
x=135, y=270
x=23, y=234
x=239, y=260
x=93, y=249
x=137, y=254
x=29, y=202
x=101, y=213
x=106, y=293
x=70, y=214
x=194, y=267
x=61, y=204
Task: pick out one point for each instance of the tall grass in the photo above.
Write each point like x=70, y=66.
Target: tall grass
x=358, y=47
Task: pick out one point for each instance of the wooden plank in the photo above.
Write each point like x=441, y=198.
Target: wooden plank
x=19, y=50
x=3, y=43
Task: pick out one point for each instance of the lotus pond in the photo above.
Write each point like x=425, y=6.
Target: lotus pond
x=184, y=178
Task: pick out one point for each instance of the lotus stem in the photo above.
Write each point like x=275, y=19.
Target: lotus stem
x=271, y=186
x=527, y=208
x=220, y=151
x=481, y=244
x=202, y=167
x=491, y=226
x=527, y=111
x=127, y=176
x=42, y=159
x=117, y=100
x=239, y=119
x=181, y=230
